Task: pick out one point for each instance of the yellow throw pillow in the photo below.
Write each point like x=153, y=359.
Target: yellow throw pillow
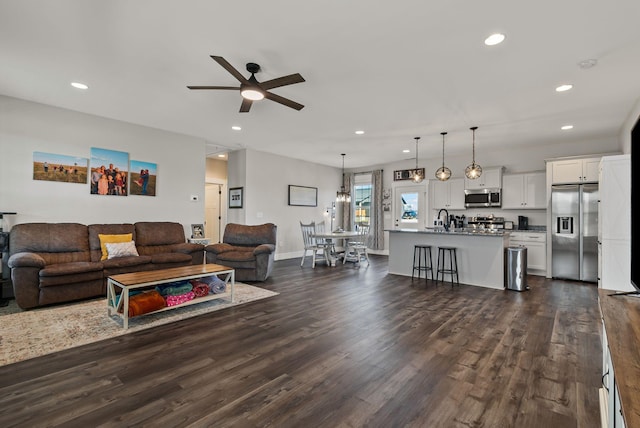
x=112, y=239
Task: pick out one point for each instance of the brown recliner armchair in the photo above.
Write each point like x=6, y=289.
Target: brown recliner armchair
x=249, y=250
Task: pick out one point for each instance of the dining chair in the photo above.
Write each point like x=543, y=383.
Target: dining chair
x=329, y=244
x=357, y=247
x=318, y=251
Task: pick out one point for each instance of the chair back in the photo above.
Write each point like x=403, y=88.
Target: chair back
x=363, y=234
x=308, y=230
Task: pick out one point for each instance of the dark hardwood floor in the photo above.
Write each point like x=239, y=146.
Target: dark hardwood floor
x=339, y=347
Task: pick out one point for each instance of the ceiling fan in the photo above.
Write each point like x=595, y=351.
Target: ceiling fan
x=252, y=90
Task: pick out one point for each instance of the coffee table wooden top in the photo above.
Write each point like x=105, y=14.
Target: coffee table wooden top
x=133, y=278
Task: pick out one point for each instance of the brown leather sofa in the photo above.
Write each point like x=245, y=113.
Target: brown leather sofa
x=248, y=249
x=60, y=262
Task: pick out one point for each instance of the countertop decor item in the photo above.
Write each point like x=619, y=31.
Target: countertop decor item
x=418, y=176
x=473, y=170
x=443, y=173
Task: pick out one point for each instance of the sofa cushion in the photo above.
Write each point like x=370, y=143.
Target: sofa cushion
x=106, y=229
x=54, y=242
x=159, y=233
x=110, y=239
x=163, y=258
x=70, y=273
x=121, y=249
x=71, y=268
x=240, y=234
x=126, y=261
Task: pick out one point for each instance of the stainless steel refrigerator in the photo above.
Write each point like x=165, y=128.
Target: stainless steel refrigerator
x=574, y=222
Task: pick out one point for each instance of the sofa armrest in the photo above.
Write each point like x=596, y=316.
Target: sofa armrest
x=219, y=248
x=264, y=249
x=26, y=260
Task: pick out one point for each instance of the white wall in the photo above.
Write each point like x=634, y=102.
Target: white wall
x=266, y=194
x=627, y=126
x=27, y=127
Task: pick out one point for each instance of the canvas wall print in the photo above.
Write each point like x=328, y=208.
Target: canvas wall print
x=53, y=167
x=144, y=176
x=109, y=172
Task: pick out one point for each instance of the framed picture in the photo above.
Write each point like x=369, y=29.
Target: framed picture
x=197, y=231
x=111, y=179
x=235, y=197
x=144, y=176
x=303, y=196
x=52, y=167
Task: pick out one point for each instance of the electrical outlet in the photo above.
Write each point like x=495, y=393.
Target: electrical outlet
x=194, y=198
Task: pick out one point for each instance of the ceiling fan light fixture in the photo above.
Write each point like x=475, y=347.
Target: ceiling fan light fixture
x=473, y=170
x=443, y=173
x=252, y=94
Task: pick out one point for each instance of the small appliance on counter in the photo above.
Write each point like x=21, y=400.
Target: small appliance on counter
x=523, y=222
x=508, y=225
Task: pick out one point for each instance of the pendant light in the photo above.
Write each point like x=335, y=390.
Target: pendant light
x=473, y=170
x=417, y=175
x=443, y=173
x=343, y=195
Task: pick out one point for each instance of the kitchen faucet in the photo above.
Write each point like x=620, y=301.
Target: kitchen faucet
x=446, y=219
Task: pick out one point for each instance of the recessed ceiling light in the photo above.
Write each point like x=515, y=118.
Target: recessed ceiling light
x=359, y=132
x=236, y=128
x=79, y=85
x=494, y=39
x=566, y=127
x=406, y=151
x=563, y=88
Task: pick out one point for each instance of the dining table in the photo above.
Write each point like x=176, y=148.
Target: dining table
x=330, y=237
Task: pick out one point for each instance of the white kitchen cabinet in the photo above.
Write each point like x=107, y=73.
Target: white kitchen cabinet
x=491, y=178
x=448, y=194
x=583, y=170
x=536, y=244
x=614, y=223
x=524, y=191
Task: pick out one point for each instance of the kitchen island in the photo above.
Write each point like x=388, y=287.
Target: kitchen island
x=480, y=255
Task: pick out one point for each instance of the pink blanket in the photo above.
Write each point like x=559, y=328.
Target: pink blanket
x=182, y=298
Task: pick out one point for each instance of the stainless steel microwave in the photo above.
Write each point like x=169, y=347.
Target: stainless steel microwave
x=477, y=198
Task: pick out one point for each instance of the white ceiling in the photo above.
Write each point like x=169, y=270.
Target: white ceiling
x=394, y=69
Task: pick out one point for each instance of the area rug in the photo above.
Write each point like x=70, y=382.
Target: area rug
x=29, y=334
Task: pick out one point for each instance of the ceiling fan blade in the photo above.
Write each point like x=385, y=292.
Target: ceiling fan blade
x=223, y=62
x=284, y=101
x=282, y=81
x=237, y=88
x=245, y=106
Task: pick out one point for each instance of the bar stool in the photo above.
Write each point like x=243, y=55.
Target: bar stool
x=453, y=264
x=420, y=256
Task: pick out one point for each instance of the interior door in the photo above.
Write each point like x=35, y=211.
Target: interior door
x=410, y=208
x=212, y=218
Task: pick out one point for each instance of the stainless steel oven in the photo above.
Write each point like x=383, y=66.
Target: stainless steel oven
x=482, y=198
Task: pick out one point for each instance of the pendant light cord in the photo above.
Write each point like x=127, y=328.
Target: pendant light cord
x=473, y=159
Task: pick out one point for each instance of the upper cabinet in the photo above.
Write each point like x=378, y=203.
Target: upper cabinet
x=447, y=194
x=524, y=191
x=575, y=170
x=491, y=178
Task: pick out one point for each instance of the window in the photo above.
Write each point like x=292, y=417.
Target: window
x=410, y=210
x=362, y=199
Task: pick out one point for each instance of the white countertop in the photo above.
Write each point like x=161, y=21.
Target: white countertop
x=466, y=232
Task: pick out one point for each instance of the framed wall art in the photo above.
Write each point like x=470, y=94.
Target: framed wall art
x=109, y=172
x=235, y=197
x=303, y=196
x=144, y=177
x=62, y=168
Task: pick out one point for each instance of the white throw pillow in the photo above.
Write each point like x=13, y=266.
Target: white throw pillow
x=121, y=249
